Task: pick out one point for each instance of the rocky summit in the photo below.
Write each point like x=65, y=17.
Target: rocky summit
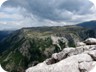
x=78, y=59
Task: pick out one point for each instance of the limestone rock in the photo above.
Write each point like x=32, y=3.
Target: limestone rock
x=86, y=66
x=56, y=41
x=93, y=68
x=93, y=54
x=80, y=44
x=70, y=64
x=90, y=41
x=79, y=59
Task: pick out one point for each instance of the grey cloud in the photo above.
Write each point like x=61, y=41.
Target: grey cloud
x=56, y=10
x=76, y=5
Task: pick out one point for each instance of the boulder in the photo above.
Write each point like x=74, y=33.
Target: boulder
x=90, y=41
x=63, y=54
x=80, y=44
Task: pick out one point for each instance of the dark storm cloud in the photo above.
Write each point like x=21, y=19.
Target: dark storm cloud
x=56, y=10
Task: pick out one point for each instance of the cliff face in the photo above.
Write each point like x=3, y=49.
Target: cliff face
x=79, y=59
x=29, y=46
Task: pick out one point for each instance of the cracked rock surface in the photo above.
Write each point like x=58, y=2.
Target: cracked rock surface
x=79, y=59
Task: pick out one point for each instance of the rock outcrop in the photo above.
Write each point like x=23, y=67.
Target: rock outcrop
x=79, y=59
x=90, y=41
x=80, y=44
x=56, y=41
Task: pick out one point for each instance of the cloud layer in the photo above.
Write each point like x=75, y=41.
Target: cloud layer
x=22, y=13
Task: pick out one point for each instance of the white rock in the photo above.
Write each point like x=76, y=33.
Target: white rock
x=63, y=54
x=93, y=54
x=90, y=41
x=79, y=59
x=94, y=68
x=2, y=70
x=55, y=56
x=80, y=44
x=69, y=64
x=56, y=40
x=86, y=66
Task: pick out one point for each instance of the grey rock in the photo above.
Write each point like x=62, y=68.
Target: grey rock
x=86, y=66
x=79, y=59
x=90, y=41
x=80, y=44
x=70, y=64
x=93, y=54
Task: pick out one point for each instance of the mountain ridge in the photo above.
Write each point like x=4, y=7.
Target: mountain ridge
x=88, y=24
x=28, y=46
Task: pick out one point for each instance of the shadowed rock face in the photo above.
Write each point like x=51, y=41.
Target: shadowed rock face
x=79, y=59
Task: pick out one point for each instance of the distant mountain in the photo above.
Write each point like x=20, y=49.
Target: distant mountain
x=29, y=46
x=4, y=34
x=89, y=24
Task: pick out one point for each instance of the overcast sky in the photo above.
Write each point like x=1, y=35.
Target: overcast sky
x=29, y=13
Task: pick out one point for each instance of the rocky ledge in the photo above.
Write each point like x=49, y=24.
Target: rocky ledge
x=79, y=59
